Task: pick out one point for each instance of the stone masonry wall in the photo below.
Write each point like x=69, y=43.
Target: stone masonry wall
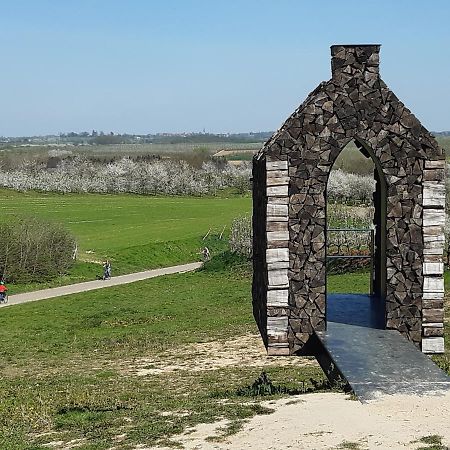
x=277, y=256
x=433, y=265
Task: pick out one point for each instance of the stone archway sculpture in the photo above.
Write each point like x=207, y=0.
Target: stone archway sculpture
x=290, y=174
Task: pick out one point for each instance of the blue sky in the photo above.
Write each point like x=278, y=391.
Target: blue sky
x=223, y=66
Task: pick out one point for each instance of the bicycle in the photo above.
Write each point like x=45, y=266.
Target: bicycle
x=4, y=298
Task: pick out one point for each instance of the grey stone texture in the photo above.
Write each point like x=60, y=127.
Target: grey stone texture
x=355, y=104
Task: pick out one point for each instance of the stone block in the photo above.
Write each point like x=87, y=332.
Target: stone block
x=433, y=331
x=433, y=315
x=276, y=165
x=433, y=284
x=433, y=217
x=274, y=350
x=277, y=236
x=277, y=181
x=433, y=345
x=439, y=164
x=277, y=254
x=277, y=327
x=277, y=210
x=278, y=265
x=278, y=278
x=277, y=200
x=278, y=297
x=433, y=194
x=277, y=191
x=277, y=226
x=433, y=268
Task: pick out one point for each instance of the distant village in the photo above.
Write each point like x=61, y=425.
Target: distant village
x=109, y=138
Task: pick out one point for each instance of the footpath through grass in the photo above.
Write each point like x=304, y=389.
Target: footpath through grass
x=135, y=232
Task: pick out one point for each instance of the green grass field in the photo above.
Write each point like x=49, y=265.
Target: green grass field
x=134, y=232
x=444, y=142
x=13, y=155
x=68, y=365
x=92, y=369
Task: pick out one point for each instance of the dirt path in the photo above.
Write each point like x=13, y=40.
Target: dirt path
x=98, y=284
x=331, y=421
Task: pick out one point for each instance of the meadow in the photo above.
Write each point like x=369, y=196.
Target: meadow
x=138, y=364
x=93, y=369
x=134, y=232
x=188, y=150
x=13, y=155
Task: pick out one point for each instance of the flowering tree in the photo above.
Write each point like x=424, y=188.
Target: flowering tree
x=241, y=236
x=350, y=188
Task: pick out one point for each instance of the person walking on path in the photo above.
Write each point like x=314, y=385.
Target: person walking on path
x=107, y=270
x=206, y=254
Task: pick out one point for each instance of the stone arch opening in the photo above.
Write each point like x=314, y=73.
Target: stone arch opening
x=360, y=243
x=349, y=222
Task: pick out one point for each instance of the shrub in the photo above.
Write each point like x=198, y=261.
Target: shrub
x=34, y=250
x=241, y=236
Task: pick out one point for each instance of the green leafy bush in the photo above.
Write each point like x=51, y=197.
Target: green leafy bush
x=33, y=249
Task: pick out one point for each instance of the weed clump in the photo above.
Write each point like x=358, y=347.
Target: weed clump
x=263, y=386
x=433, y=442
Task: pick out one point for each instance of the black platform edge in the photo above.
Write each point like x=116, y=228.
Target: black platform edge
x=327, y=364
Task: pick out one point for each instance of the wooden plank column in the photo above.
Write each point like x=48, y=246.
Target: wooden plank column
x=433, y=265
x=277, y=257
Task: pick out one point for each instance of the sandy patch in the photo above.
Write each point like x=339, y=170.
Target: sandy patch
x=61, y=445
x=245, y=351
x=326, y=421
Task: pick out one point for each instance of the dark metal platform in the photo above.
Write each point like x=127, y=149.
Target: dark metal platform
x=375, y=361
x=355, y=309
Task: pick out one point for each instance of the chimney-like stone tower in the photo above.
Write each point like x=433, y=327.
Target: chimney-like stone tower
x=355, y=59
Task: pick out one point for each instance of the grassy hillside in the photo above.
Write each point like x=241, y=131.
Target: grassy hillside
x=135, y=232
x=95, y=366
x=444, y=142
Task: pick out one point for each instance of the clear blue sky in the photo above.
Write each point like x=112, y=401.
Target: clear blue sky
x=147, y=66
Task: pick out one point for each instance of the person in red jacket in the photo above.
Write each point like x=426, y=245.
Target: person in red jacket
x=3, y=290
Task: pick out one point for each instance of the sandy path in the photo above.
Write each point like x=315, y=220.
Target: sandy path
x=247, y=350
x=97, y=284
x=326, y=421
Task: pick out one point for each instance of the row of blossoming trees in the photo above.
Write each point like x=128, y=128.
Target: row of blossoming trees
x=170, y=177
x=163, y=176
